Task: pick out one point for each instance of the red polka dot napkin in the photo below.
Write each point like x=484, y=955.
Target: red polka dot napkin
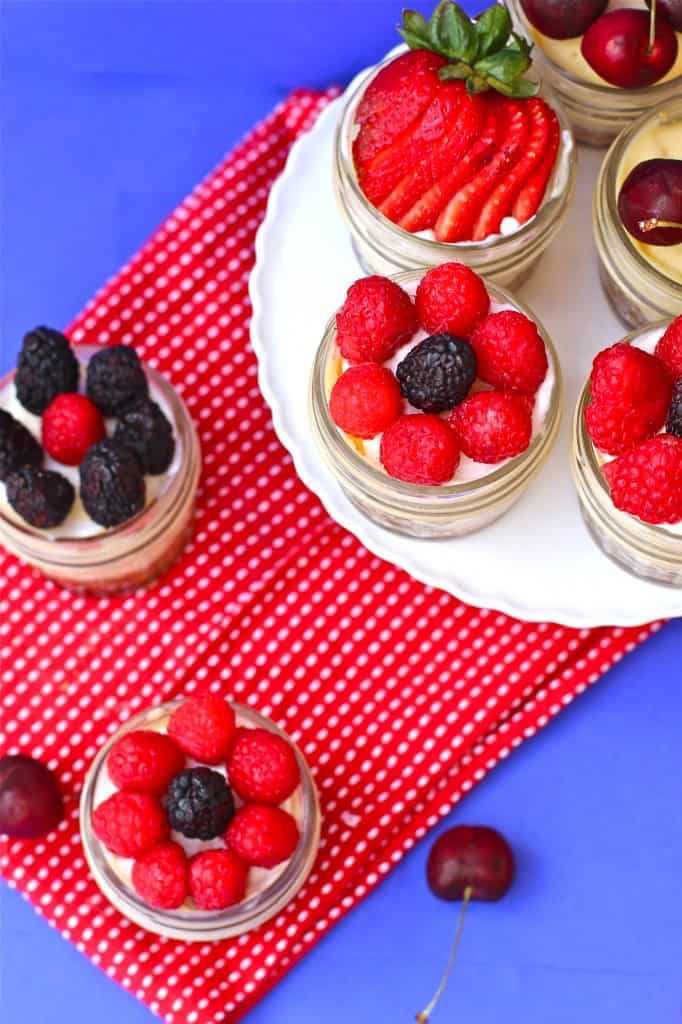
x=401, y=697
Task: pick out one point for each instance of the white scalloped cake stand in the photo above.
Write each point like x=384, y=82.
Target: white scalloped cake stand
x=538, y=562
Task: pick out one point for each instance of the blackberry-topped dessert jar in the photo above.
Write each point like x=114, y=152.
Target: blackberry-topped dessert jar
x=99, y=465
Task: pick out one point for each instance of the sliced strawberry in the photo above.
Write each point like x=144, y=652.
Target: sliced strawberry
x=392, y=101
x=500, y=202
x=461, y=133
x=424, y=213
x=530, y=196
x=456, y=221
x=415, y=144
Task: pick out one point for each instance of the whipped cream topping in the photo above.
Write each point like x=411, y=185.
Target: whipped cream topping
x=647, y=342
x=258, y=880
x=467, y=470
x=78, y=524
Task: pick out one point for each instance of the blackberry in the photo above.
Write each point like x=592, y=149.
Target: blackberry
x=18, y=447
x=199, y=803
x=46, y=368
x=437, y=374
x=146, y=431
x=674, y=421
x=41, y=497
x=116, y=380
x=112, y=483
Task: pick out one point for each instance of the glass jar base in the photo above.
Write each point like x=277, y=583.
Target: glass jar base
x=624, y=559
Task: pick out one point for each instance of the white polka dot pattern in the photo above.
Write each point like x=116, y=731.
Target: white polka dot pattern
x=401, y=697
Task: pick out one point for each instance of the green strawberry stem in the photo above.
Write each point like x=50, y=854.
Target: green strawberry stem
x=423, y=1017
x=484, y=52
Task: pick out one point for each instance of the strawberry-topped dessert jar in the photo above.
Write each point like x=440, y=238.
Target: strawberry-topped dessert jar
x=446, y=151
x=609, y=61
x=626, y=454
x=435, y=398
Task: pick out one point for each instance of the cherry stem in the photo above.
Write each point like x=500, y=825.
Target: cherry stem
x=423, y=1017
x=652, y=26
x=654, y=222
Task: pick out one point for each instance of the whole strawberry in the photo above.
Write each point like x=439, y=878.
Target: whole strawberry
x=217, y=879
x=647, y=480
x=71, y=425
x=159, y=876
x=144, y=761
x=374, y=321
x=203, y=727
x=263, y=767
x=510, y=352
x=262, y=835
x=129, y=824
x=493, y=425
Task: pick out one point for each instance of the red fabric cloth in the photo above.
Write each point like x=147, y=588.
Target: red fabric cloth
x=401, y=697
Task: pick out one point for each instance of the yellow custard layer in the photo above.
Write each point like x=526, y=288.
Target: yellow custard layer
x=659, y=139
x=566, y=53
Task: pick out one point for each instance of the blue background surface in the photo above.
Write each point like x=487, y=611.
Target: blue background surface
x=111, y=113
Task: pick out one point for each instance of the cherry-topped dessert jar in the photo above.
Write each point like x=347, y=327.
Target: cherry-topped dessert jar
x=642, y=281
x=264, y=890
x=597, y=110
x=476, y=493
x=506, y=256
x=650, y=550
x=97, y=555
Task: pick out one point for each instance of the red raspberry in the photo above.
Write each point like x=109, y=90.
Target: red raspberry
x=451, y=298
x=71, y=425
x=263, y=767
x=647, y=480
x=510, y=352
x=420, y=449
x=130, y=823
x=615, y=428
x=625, y=375
x=262, y=836
x=631, y=394
x=669, y=347
x=144, y=761
x=374, y=321
x=365, y=400
x=160, y=876
x=203, y=727
x=493, y=425
x=217, y=879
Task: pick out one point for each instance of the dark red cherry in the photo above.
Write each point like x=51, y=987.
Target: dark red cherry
x=470, y=855
x=562, y=19
x=672, y=10
x=616, y=46
x=30, y=801
x=650, y=202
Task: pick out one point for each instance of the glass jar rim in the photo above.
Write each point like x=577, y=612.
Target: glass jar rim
x=606, y=188
x=63, y=550
x=178, y=923
x=541, y=222
x=479, y=491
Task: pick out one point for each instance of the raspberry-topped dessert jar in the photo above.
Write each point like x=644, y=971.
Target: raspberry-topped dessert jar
x=446, y=151
x=200, y=819
x=626, y=455
x=99, y=465
x=637, y=217
x=435, y=398
x=609, y=61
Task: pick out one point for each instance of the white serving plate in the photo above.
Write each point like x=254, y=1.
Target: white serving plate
x=538, y=562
